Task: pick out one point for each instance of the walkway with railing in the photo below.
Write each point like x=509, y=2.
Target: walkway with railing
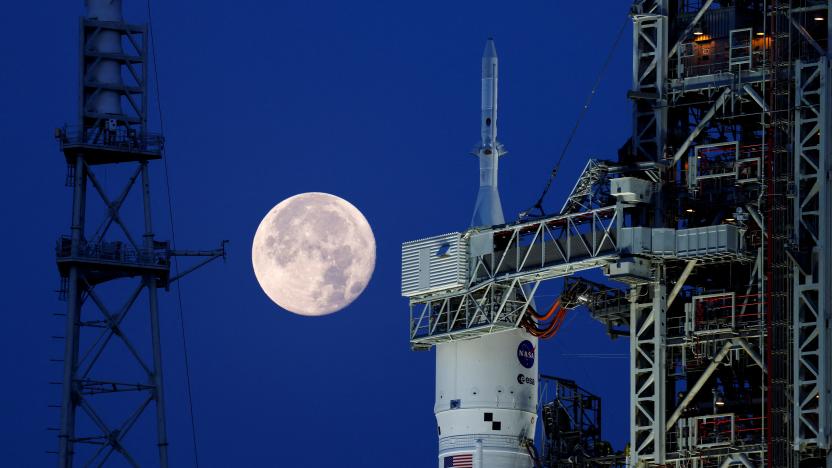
x=120, y=139
x=114, y=252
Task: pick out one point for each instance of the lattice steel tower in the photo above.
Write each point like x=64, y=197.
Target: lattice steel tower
x=95, y=266
x=732, y=106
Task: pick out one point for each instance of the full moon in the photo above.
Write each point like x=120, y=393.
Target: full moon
x=313, y=254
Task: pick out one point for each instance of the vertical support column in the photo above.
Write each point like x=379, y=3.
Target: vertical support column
x=647, y=319
x=649, y=76
x=650, y=39
x=69, y=393
x=647, y=374
x=811, y=302
x=150, y=282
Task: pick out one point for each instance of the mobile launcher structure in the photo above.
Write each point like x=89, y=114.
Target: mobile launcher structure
x=713, y=229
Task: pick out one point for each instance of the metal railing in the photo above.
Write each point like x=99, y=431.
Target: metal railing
x=713, y=430
x=713, y=56
x=118, y=139
x=115, y=252
x=509, y=259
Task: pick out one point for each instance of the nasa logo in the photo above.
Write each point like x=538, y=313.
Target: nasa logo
x=525, y=354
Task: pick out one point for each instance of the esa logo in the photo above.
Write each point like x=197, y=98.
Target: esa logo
x=525, y=354
x=522, y=379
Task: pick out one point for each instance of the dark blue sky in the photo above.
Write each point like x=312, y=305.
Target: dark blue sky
x=376, y=102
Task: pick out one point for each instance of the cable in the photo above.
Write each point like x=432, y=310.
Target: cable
x=173, y=239
x=539, y=203
x=555, y=306
x=548, y=330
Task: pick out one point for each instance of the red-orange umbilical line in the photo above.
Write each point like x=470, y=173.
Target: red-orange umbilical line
x=533, y=320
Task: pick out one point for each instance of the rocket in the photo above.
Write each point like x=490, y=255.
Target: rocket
x=488, y=211
x=486, y=387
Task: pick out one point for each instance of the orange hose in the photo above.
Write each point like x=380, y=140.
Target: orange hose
x=556, y=324
x=555, y=306
x=550, y=329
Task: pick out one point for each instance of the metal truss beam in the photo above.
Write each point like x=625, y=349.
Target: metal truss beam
x=649, y=75
x=503, y=280
x=82, y=355
x=811, y=302
x=648, y=332
x=587, y=194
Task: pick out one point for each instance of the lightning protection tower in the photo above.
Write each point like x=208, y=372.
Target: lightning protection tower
x=119, y=265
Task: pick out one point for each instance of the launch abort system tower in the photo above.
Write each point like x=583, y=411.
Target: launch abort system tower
x=714, y=229
x=116, y=261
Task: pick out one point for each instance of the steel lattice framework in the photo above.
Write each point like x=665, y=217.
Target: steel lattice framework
x=123, y=247
x=717, y=219
x=811, y=273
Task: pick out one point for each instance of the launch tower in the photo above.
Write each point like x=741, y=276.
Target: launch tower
x=713, y=227
x=105, y=271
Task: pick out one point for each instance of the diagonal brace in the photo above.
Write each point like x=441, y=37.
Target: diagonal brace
x=686, y=33
x=210, y=255
x=701, y=126
x=114, y=214
x=717, y=359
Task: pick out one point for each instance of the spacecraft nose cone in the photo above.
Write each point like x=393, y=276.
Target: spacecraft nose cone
x=490, y=50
